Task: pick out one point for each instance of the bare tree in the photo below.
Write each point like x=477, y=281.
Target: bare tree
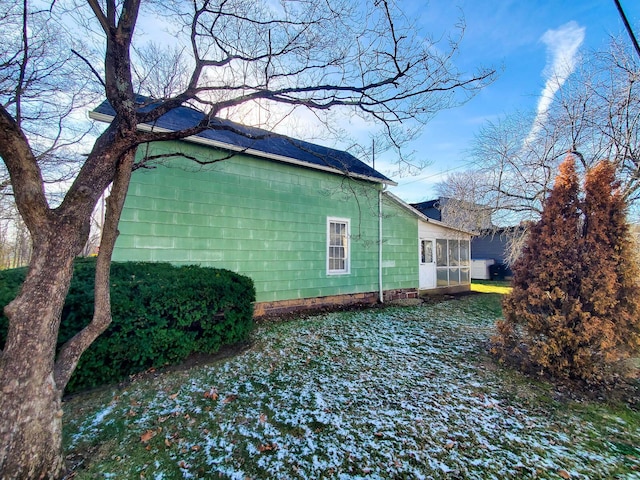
x=363, y=57
x=467, y=202
x=596, y=115
x=472, y=205
x=514, y=174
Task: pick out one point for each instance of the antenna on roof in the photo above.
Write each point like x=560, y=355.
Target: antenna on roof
x=373, y=153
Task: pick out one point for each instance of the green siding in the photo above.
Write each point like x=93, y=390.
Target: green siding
x=266, y=220
x=399, y=247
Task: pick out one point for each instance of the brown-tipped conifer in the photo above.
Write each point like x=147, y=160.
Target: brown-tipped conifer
x=574, y=309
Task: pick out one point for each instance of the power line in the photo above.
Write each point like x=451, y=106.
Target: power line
x=433, y=175
x=634, y=40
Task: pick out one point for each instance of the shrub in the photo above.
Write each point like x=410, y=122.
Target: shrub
x=10, y=281
x=574, y=311
x=161, y=314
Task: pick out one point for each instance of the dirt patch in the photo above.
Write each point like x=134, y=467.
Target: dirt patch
x=199, y=359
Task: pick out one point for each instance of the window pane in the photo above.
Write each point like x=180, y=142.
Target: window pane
x=336, y=264
x=336, y=253
x=454, y=276
x=426, y=251
x=441, y=253
x=429, y=251
x=454, y=253
x=336, y=239
x=464, y=276
x=464, y=252
x=442, y=276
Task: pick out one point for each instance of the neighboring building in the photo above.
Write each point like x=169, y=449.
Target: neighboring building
x=312, y=226
x=490, y=251
x=495, y=243
x=489, y=245
x=457, y=213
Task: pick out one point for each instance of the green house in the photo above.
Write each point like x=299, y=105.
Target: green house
x=312, y=226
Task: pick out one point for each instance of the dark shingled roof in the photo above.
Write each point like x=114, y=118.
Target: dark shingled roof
x=430, y=208
x=261, y=141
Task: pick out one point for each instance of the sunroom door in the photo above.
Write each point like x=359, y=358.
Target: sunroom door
x=427, y=268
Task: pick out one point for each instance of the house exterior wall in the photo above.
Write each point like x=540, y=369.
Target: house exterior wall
x=431, y=230
x=491, y=246
x=399, y=247
x=266, y=220
x=495, y=245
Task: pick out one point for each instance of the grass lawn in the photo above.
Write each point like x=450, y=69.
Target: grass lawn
x=399, y=392
x=490, y=286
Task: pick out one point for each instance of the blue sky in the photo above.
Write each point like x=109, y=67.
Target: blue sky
x=522, y=39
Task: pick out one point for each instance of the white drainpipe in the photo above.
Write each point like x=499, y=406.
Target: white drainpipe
x=380, y=288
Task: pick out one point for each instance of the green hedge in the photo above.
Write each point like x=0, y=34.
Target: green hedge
x=161, y=314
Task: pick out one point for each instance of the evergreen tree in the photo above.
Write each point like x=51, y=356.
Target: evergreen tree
x=609, y=287
x=574, y=310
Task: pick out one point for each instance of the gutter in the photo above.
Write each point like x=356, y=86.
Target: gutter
x=380, y=285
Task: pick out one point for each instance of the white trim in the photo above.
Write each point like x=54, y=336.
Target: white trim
x=102, y=117
x=347, y=222
x=427, y=274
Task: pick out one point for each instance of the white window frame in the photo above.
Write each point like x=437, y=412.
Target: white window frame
x=347, y=257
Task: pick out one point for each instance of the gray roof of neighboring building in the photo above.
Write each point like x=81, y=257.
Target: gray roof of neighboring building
x=429, y=208
x=226, y=134
x=422, y=216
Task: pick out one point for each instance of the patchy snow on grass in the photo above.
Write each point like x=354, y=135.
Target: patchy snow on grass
x=389, y=393
x=92, y=424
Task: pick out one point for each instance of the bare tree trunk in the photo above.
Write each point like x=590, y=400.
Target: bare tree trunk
x=73, y=349
x=31, y=426
x=33, y=384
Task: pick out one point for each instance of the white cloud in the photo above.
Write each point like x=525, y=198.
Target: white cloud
x=563, y=45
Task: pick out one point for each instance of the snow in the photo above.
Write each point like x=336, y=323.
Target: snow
x=94, y=423
x=373, y=394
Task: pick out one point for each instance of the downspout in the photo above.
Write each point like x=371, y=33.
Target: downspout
x=380, y=288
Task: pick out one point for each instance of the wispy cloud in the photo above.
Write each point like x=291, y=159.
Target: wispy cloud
x=562, y=55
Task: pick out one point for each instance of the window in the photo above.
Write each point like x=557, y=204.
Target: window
x=338, y=246
x=452, y=262
x=426, y=251
x=441, y=253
